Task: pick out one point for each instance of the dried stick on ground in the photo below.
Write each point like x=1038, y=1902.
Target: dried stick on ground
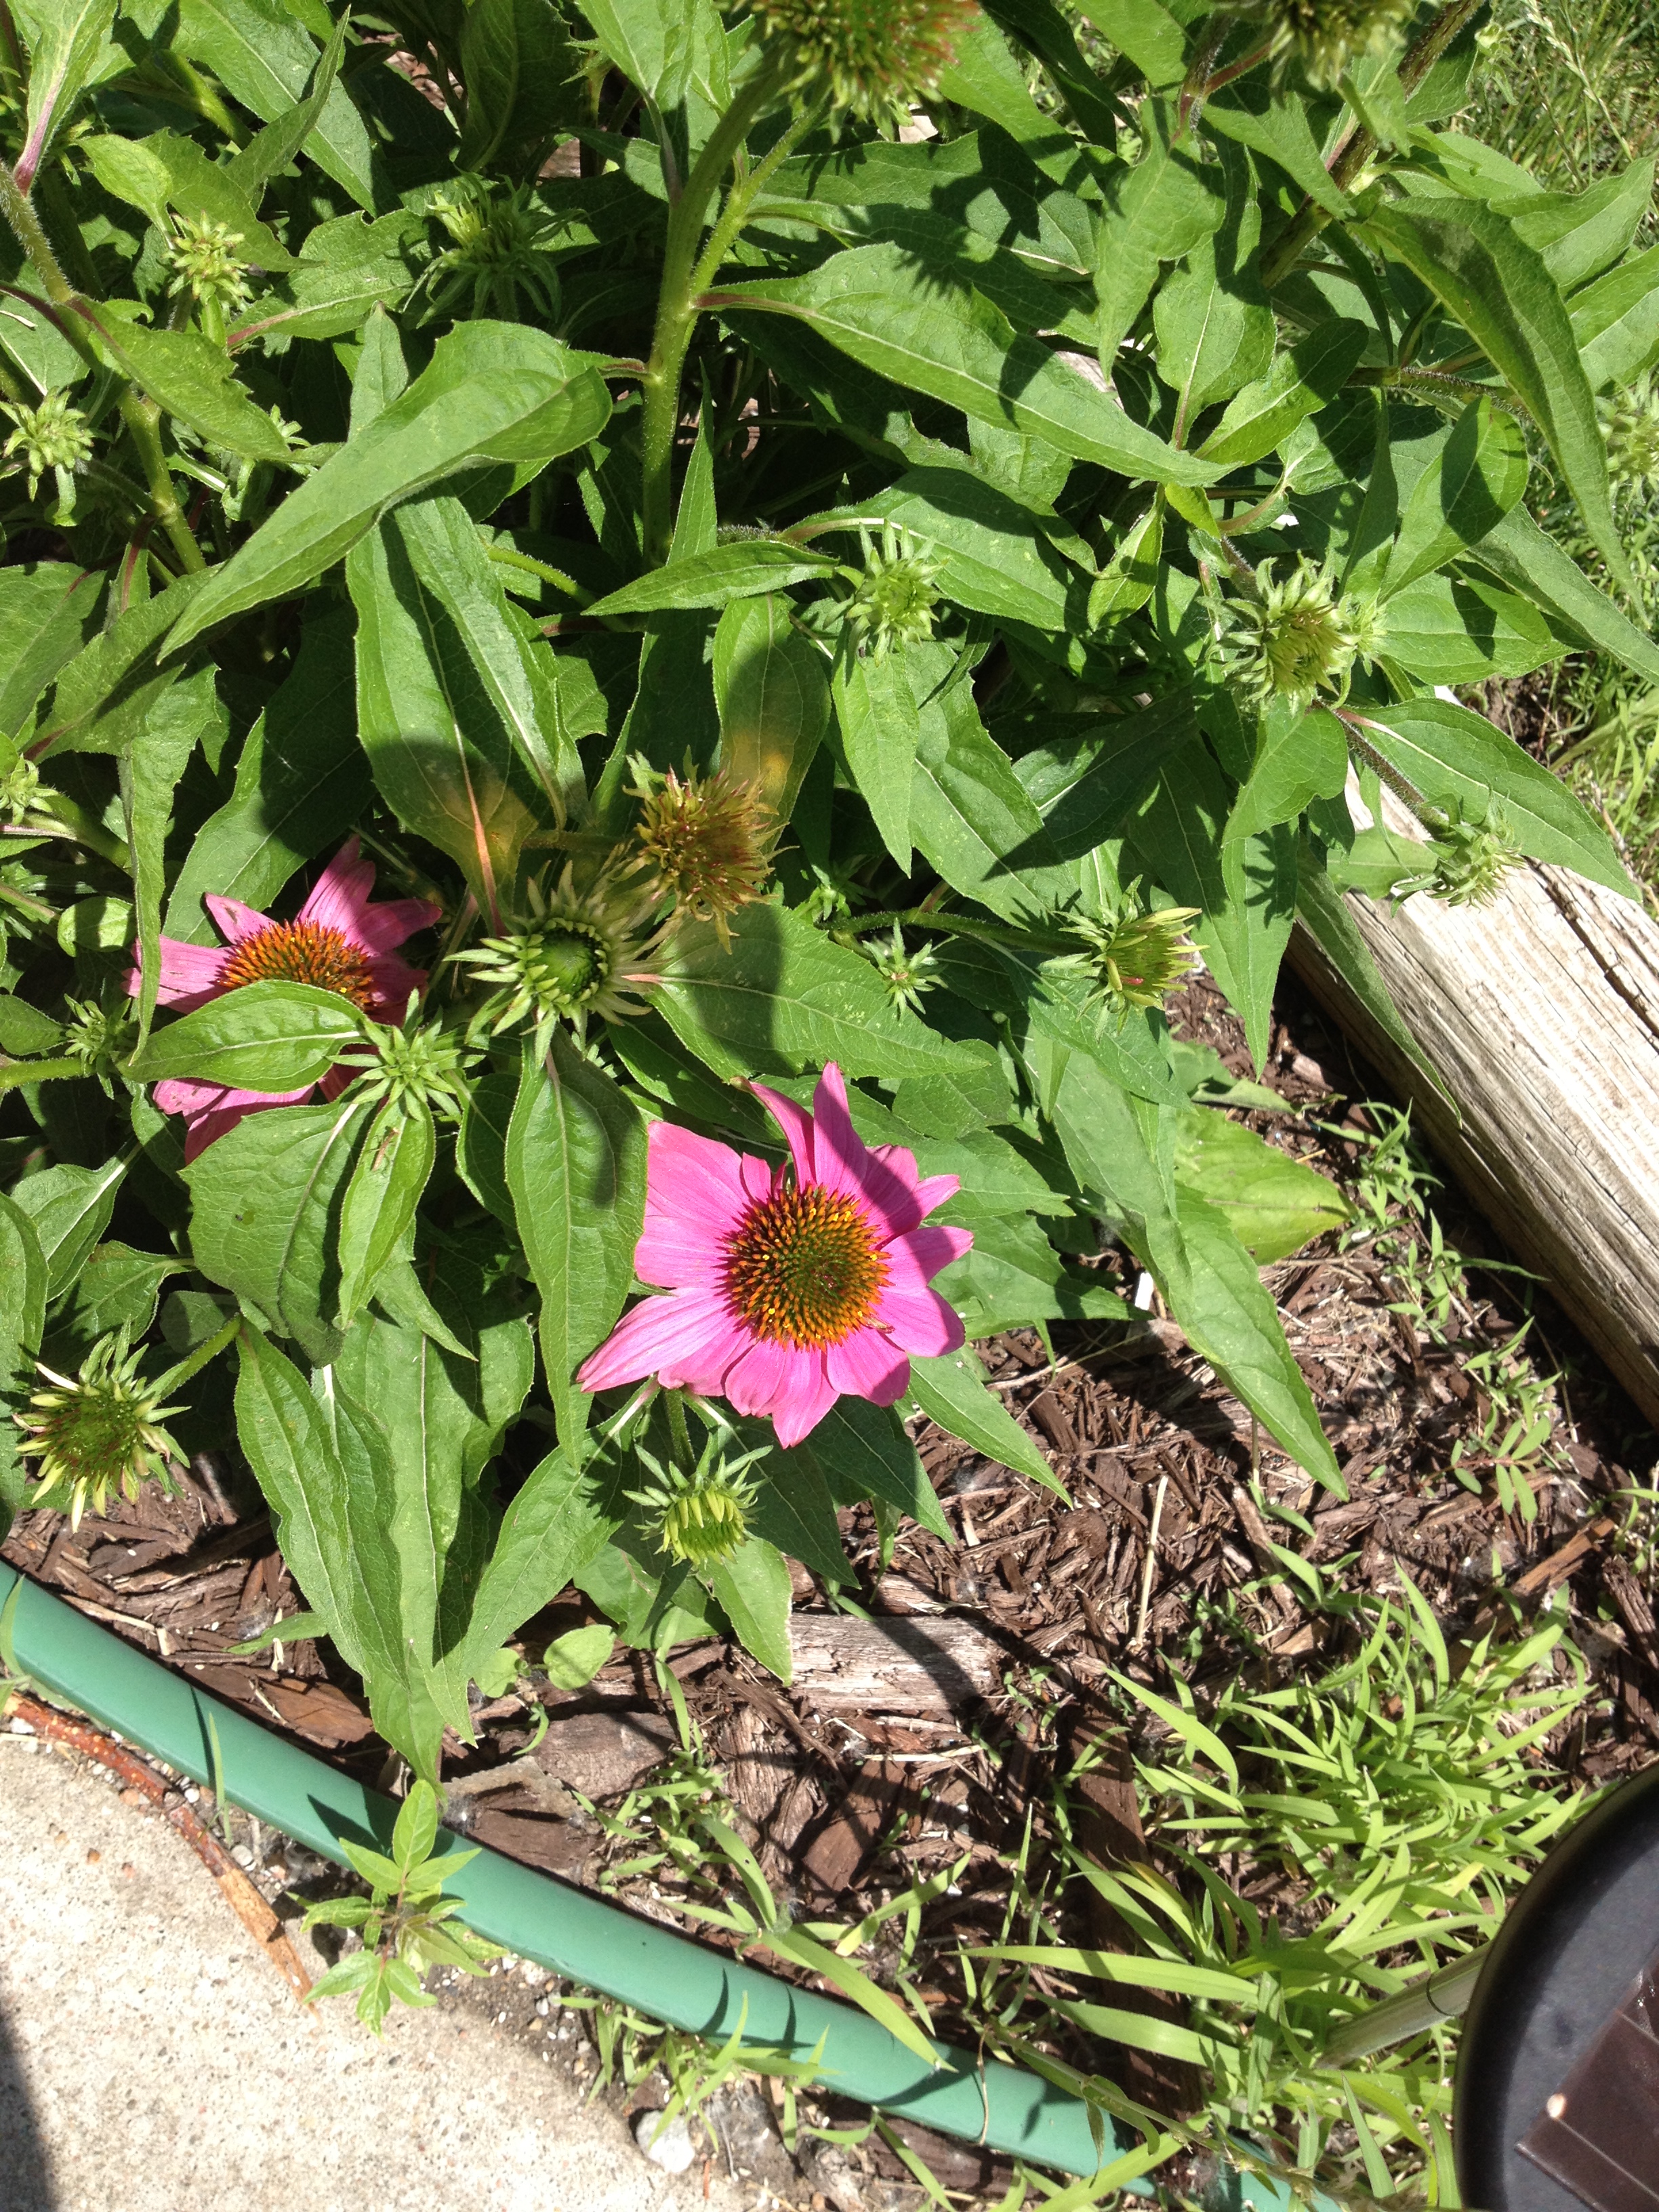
x=244, y=1900
x=1541, y=1013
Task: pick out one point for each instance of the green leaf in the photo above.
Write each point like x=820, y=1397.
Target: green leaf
x=1147, y=33
x=1299, y=757
x=441, y=756
x=795, y=1511
x=271, y=149
x=1300, y=382
x=1579, y=234
x=576, y=1165
x=266, y=1036
x=852, y=1982
x=1453, y=756
x=773, y=695
x=1275, y=1204
x=163, y=172
x=117, y=1288
x=862, y=1451
x=955, y=346
x=267, y=1197
x=69, y=1209
x=876, y=713
x=1461, y=629
x=481, y=1147
x=377, y=1211
x=447, y=554
x=347, y=268
x=25, y=1031
x=641, y=38
x=994, y=554
x=558, y=1523
x=63, y=59
x=951, y=1391
x=1277, y=124
x=1013, y=1276
x=22, y=1319
x=1122, y=1150
x=1464, y=493
x=105, y=692
x=1230, y=1321
x=260, y=54
x=177, y=717
x=301, y=781
x=784, y=998
x=1214, y=327
x=326, y=1469
x=1615, y=323
x=189, y=376
x=519, y=66
x=754, y=1591
x=499, y=391
x=742, y=570
x=1157, y=211
x=1130, y=577
x=47, y=613
x=973, y=819
x=571, y=1661
x=1529, y=560
x=1499, y=288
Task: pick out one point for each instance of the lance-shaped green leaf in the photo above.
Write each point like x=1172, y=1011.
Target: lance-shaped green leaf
x=378, y=1210
x=1157, y=211
x=1275, y=1204
x=69, y=1209
x=951, y=344
x=876, y=713
x=1262, y=415
x=1215, y=328
x=1129, y=578
x=1499, y=288
x=520, y=69
x=575, y=1166
x=1449, y=629
x=117, y=1288
x=1454, y=757
x=442, y=754
x=563, y=1516
x=782, y=997
x=754, y=1588
x=165, y=171
x=974, y=819
x=773, y=695
x=1147, y=33
x=951, y=1391
x=499, y=391
x=269, y=1037
x=258, y=52
x=741, y=570
x=271, y=149
x=1276, y=123
x=47, y=610
x=1579, y=234
x=190, y=376
x=177, y=719
x=1323, y=913
x=1615, y=322
x=105, y=693
x=1464, y=493
x=266, y=1221
x=22, y=1319
x=326, y=1467
x=862, y=1451
x=61, y=59
x=1529, y=560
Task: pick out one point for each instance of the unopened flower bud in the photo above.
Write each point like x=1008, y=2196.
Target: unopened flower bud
x=96, y=1431
x=705, y=842
x=873, y=55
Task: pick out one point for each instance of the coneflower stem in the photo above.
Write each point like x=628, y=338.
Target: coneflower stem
x=196, y=1361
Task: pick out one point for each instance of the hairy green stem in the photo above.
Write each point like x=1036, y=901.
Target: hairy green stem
x=142, y=416
x=15, y=1073
x=1384, y=769
x=953, y=925
x=1433, y=381
x=194, y=1362
x=676, y=312
x=1360, y=145
x=509, y=557
x=78, y=826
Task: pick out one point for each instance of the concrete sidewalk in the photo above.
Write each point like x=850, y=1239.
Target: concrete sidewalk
x=152, y=2061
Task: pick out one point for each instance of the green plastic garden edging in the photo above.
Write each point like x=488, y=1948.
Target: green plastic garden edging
x=687, y=1984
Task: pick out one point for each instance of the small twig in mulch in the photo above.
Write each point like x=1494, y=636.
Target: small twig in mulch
x=240, y=1893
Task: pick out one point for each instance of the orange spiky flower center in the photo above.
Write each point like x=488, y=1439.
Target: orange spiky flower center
x=301, y=952
x=802, y=1269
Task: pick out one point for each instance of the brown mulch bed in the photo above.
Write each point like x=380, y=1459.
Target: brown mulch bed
x=849, y=1794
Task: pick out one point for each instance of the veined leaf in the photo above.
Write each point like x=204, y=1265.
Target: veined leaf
x=1615, y=322
x=1260, y=417
x=188, y=376
x=876, y=713
x=742, y=570
x=1529, y=560
x=951, y=1390
x=1464, y=494
x=270, y=1036
x=772, y=692
x=260, y=52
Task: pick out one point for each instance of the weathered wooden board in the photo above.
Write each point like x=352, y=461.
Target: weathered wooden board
x=1541, y=1013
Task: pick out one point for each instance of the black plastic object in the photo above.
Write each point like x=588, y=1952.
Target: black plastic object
x=1558, y=2071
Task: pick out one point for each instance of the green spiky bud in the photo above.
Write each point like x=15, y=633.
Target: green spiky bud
x=893, y=601
x=872, y=56
x=1631, y=425
x=52, y=437
x=705, y=842
x=1470, y=858
x=701, y=1514
x=1135, y=959
x=96, y=1431
x=1295, y=638
x=100, y=1041
x=577, y=954
x=1326, y=37
x=416, y=1065
x=203, y=260
x=907, y=974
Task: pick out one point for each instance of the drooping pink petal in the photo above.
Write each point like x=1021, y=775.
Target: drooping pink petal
x=919, y=1321
x=236, y=920
x=867, y=1365
x=808, y=1396
x=214, y=1113
x=340, y=895
x=691, y=1324
x=848, y=1168
x=190, y=974
x=393, y=981
x=937, y=1190
x=762, y=1376
x=378, y=928
x=174, y=1095
x=797, y=1125
x=915, y=1260
x=759, y=1178
x=695, y=1197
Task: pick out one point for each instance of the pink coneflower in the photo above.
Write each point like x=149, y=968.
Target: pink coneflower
x=337, y=941
x=786, y=1290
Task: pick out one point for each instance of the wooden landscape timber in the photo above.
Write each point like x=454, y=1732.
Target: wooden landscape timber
x=1540, y=1014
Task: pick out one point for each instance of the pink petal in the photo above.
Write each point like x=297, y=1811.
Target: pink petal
x=378, y=929
x=695, y=1198
x=767, y=1374
x=760, y=1179
x=204, y=1124
x=659, y=1334
x=236, y=920
x=341, y=894
x=797, y=1125
x=809, y=1396
x=848, y=1168
x=919, y=1321
x=902, y=1161
x=174, y=1095
x=915, y=1260
x=190, y=974
x=937, y=1190
x=868, y=1366
x=393, y=981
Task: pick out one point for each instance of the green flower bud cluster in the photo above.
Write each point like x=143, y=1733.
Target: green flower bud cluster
x=96, y=1431
x=53, y=437
x=499, y=248
x=579, y=953
x=1325, y=37
x=893, y=601
x=102, y=1042
x=874, y=56
x=701, y=1514
x=907, y=974
x=1135, y=959
x=418, y=1064
x=1469, y=859
x=1295, y=638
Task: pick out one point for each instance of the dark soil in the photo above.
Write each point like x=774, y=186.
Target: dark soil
x=847, y=1808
